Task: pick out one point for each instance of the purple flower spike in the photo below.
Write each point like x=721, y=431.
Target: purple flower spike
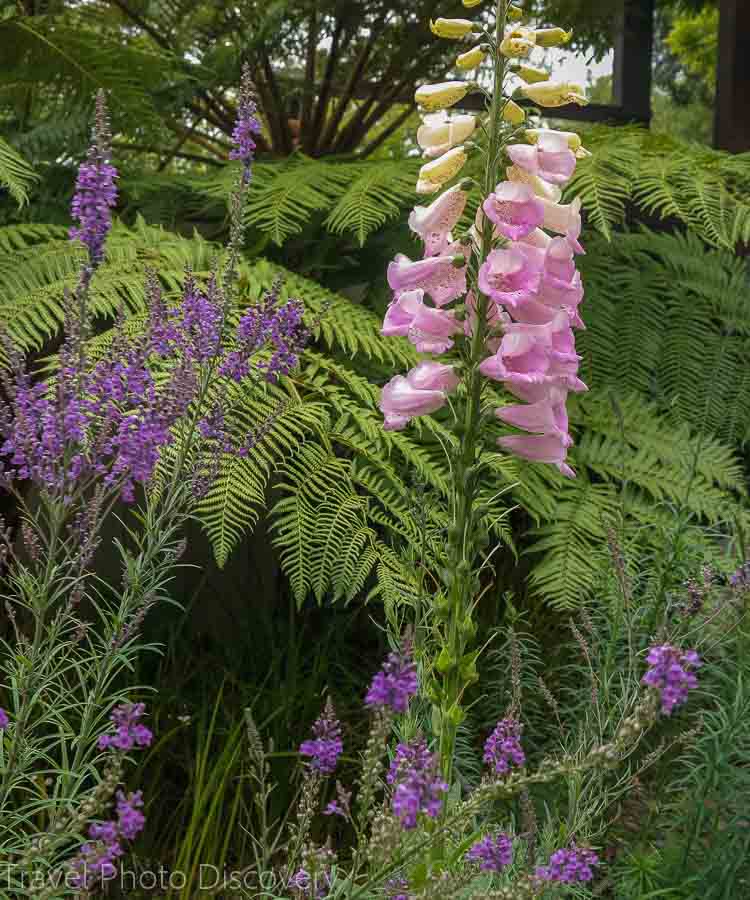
x=95, y=190
x=326, y=746
x=4, y=720
x=415, y=778
x=503, y=747
x=492, y=853
x=129, y=820
x=569, y=865
x=396, y=683
x=129, y=732
x=246, y=126
x=670, y=673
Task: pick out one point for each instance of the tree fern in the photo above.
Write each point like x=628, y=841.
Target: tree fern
x=16, y=175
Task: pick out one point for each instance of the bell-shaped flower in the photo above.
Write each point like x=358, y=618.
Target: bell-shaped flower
x=451, y=28
x=548, y=415
x=515, y=209
x=518, y=42
x=554, y=93
x=439, y=171
x=442, y=277
x=564, y=218
x=433, y=223
x=472, y=58
x=429, y=329
x=439, y=132
x=550, y=158
x=443, y=95
x=531, y=75
x=537, y=238
x=513, y=113
x=540, y=187
x=545, y=448
x=552, y=37
x=421, y=391
x=509, y=277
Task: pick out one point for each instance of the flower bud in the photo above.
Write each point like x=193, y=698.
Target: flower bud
x=472, y=58
x=573, y=139
x=552, y=37
x=513, y=113
x=470, y=4
x=531, y=75
x=445, y=167
x=442, y=95
x=554, y=93
x=451, y=28
x=458, y=261
x=515, y=14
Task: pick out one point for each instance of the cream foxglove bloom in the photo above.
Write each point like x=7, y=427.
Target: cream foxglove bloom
x=554, y=93
x=470, y=4
x=574, y=140
x=541, y=188
x=552, y=37
x=439, y=132
x=513, y=113
x=451, y=28
x=433, y=223
x=444, y=167
x=564, y=219
x=442, y=95
x=531, y=75
x=518, y=43
x=472, y=58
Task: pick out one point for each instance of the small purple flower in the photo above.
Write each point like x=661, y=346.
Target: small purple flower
x=96, y=859
x=341, y=806
x=492, y=853
x=568, y=866
x=503, y=747
x=670, y=672
x=326, y=746
x=246, y=126
x=396, y=683
x=130, y=820
x=417, y=785
x=4, y=720
x=309, y=887
x=95, y=190
x=740, y=579
x=129, y=732
x=397, y=889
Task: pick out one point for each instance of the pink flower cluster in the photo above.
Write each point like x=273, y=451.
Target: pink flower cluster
x=533, y=289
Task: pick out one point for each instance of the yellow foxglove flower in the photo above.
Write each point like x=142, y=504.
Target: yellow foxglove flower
x=444, y=167
x=470, y=4
x=472, y=58
x=531, y=75
x=552, y=37
x=518, y=43
x=540, y=187
x=573, y=139
x=439, y=132
x=426, y=187
x=515, y=14
x=513, y=113
x=554, y=93
x=451, y=28
x=443, y=95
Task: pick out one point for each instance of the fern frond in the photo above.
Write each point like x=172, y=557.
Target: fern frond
x=16, y=175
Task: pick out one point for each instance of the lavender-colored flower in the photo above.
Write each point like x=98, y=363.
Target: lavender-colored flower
x=397, y=889
x=417, y=786
x=4, y=720
x=130, y=820
x=396, y=683
x=503, y=747
x=95, y=190
x=246, y=126
x=129, y=731
x=740, y=579
x=304, y=885
x=341, y=806
x=569, y=865
x=96, y=860
x=326, y=746
x=492, y=853
x=670, y=673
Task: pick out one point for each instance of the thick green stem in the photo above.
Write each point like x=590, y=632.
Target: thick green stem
x=461, y=545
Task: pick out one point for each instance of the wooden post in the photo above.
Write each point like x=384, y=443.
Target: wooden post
x=732, y=115
x=634, y=43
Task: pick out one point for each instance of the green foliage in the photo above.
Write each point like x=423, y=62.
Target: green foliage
x=16, y=175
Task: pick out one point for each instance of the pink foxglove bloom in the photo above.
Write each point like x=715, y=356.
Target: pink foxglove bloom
x=442, y=277
x=423, y=390
x=537, y=238
x=433, y=223
x=440, y=132
x=429, y=329
x=564, y=218
x=515, y=209
x=545, y=448
x=509, y=277
x=550, y=158
x=540, y=187
x=547, y=416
